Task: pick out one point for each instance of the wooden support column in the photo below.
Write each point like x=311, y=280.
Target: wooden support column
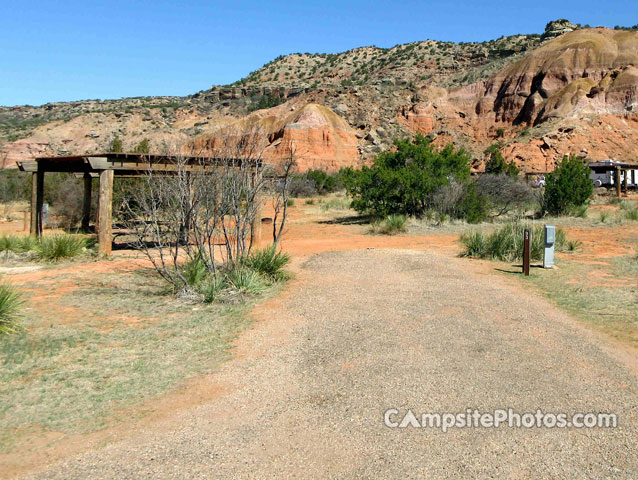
x=86, y=203
x=37, y=201
x=255, y=227
x=618, y=185
x=105, y=236
x=625, y=183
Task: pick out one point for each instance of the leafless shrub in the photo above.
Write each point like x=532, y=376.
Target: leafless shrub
x=446, y=199
x=202, y=209
x=504, y=193
x=281, y=194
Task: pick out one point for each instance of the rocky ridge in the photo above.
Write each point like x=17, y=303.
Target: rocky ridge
x=570, y=90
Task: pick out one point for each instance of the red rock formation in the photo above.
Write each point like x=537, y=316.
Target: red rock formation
x=580, y=89
x=320, y=138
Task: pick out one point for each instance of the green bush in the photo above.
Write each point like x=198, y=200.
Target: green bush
x=403, y=181
x=497, y=165
x=568, y=187
x=506, y=243
x=10, y=303
x=268, y=262
x=57, y=247
x=14, y=185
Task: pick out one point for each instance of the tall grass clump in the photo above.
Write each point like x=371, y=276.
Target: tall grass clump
x=58, y=247
x=268, y=262
x=390, y=225
x=632, y=214
x=17, y=244
x=10, y=303
x=506, y=243
x=245, y=280
x=336, y=204
x=194, y=271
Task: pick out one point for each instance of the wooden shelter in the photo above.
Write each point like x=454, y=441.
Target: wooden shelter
x=106, y=167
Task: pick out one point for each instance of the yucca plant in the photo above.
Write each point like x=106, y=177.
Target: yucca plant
x=60, y=246
x=390, y=225
x=194, y=271
x=10, y=303
x=394, y=224
x=268, y=262
x=17, y=244
x=245, y=280
x=212, y=287
x=475, y=244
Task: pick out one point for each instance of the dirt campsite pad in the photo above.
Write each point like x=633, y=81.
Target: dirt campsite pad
x=369, y=323
x=364, y=331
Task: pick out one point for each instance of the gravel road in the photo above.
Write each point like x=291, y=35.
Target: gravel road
x=360, y=332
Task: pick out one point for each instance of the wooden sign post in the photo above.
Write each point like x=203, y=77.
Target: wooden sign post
x=526, y=252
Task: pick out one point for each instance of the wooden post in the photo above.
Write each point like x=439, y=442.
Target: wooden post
x=255, y=227
x=37, y=200
x=105, y=237
x=618, y=193
x=86, y=203
x=26, y=218
x=526, y=252
x=625, y=183
x=33, y=229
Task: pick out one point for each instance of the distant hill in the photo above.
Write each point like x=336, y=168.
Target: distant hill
x=567, y=90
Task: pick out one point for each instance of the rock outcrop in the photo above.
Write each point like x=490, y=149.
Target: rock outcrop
x=319, y=137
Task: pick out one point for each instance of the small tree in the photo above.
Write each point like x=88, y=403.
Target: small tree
x=497, y=165
x=404, y=181
x=116, y=145
x=142, y=147
x=567, y=187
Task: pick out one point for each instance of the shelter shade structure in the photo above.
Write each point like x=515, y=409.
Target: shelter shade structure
x=109, y=166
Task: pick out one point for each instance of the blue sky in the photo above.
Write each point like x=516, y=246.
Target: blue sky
x=74, y=50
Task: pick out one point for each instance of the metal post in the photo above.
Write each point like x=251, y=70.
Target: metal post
x=548, y=253
x=526, y=252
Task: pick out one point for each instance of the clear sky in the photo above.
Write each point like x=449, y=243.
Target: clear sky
x=74, y=50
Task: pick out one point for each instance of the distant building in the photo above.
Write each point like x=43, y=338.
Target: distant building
x=603, y=174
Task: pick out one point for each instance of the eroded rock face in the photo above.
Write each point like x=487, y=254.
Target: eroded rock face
x=320, y=138
x=586, y=79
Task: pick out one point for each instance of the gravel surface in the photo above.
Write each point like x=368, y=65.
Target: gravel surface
x=363, y=331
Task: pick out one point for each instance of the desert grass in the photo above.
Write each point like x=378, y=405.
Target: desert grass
x=391, y=225
x=48, y=248
x=110, y=344
x=609, y=307
x=506, y=243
